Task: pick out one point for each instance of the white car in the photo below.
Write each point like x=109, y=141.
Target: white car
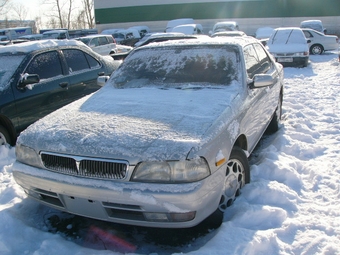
x=102, y=44
x=225, y=26
x=320, y=42
x=229, y=33
x=188, y=29
x=289, y=46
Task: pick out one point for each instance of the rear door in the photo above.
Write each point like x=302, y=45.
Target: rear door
x=84, y=70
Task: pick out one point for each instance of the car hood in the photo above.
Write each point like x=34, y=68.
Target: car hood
x=134, y=124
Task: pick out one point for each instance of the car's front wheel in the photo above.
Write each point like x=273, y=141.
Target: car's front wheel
x=237, y=175
x=316, y=49
x=4, y=136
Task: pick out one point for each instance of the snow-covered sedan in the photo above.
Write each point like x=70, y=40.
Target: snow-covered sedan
x=165, y=143
x=320, y=42
x=289, y=46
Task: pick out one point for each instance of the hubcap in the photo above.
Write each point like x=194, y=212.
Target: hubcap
x=316, y=50
x=234, y=181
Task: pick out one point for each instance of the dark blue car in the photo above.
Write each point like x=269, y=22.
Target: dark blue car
x=37, y=78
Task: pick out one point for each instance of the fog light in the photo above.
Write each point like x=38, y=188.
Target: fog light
x=156, y=216
x=181, y=217
x=170, y=217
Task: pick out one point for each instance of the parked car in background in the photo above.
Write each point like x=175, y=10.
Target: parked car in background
x=264, y=33
x=188, y=29
x=32, y=37
x=56, y=34
x=143, y=30
x=225, y=26
x=100, y=43
x=229, y=33
x=14, y=41
x=319, y=42
x=289, y=46
x=176, y=22
x=39, y=77
x=161, y=37
x=313, y=24
x=165, y=143
x=126, y=36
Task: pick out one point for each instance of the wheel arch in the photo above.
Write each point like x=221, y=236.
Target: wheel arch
x=316, y=44
x=241, y=142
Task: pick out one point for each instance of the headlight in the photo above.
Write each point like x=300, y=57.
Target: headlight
x=27, y=155
x=301, y=54
x=171, y=171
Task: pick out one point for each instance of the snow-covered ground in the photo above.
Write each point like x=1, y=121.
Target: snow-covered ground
x=291, y=205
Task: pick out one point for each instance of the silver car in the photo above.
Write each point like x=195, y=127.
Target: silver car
x=165, y=143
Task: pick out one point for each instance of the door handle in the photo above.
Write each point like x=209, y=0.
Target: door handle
x=63, y=84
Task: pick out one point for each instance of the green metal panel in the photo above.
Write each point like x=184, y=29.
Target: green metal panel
x=220, y=10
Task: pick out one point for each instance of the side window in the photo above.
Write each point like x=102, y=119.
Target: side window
x=307, y=34
x=110, y=39
x=75, y=60
x=94, y=42
x=102, y=40
x=92, y=61
x=46, y=65
x=251, y=60
x=264, y=61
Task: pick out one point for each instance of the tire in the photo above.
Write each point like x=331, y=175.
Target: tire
x=237, y=175
x=5, y=139
x=316, y=49
x=275, y=122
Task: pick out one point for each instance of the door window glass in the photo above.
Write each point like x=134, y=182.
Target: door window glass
x=102, y=40
x=76, y=60
x=46, y=65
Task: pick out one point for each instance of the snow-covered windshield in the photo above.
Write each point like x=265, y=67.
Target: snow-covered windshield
x=8, y=65
x=286, y=36
x=173, y=66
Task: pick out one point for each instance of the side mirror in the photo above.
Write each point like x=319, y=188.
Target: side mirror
x=101, y=80
x=28, y=79
x=309, y=41
x=263, y=80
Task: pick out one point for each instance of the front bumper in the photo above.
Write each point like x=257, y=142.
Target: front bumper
x=293, y=61
x=140, y=204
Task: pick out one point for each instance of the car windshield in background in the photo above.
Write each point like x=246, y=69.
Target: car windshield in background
x=166, y=67
x=287, y=36
x=8, y=65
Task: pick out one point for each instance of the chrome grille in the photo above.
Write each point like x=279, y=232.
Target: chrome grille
x=85, y=167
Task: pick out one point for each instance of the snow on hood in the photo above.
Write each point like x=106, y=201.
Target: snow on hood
x=133, y=124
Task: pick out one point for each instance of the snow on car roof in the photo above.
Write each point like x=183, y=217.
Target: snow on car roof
x=37, y=45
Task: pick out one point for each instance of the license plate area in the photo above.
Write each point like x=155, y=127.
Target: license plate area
x=285, y=60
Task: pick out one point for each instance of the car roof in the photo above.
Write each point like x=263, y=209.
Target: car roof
x=206, y=40
x=31, y=46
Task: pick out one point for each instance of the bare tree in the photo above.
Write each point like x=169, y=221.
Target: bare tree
x=4, y=4
x=89, y=13
x=61, y=10
x=21, y=12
